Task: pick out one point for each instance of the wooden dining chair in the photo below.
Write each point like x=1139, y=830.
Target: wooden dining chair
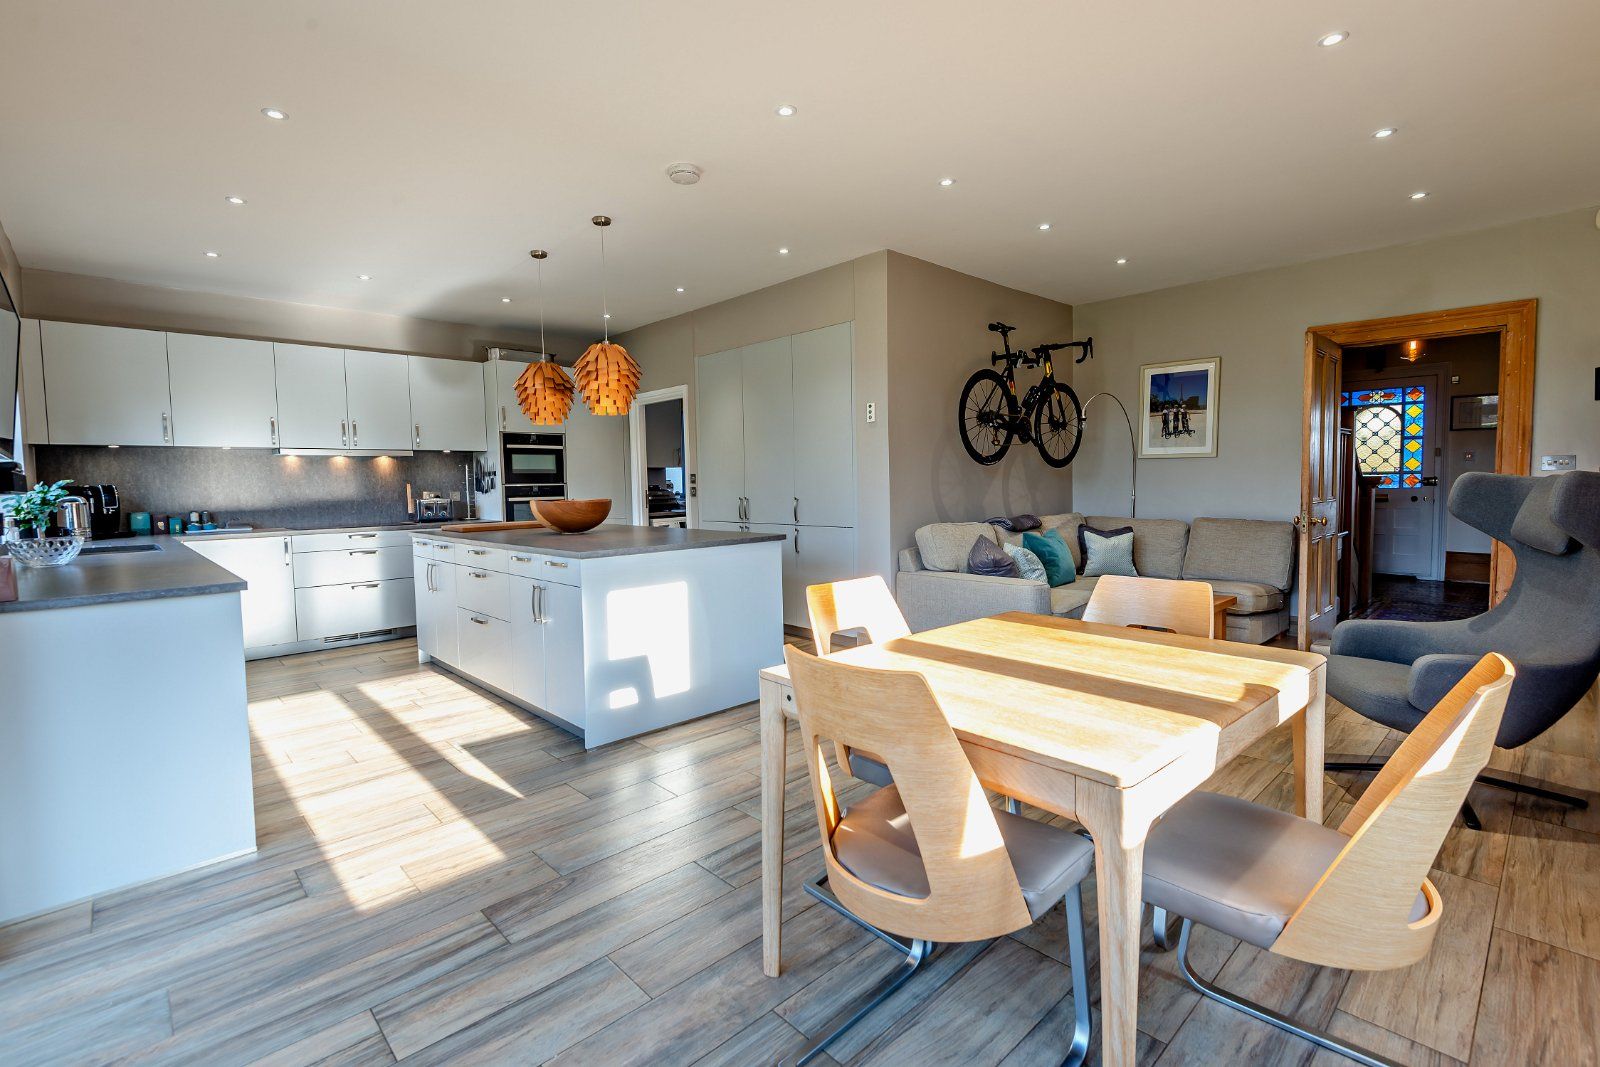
x=927, y=860
x=1152, y=603
x=858, y=604
x=1356, y=898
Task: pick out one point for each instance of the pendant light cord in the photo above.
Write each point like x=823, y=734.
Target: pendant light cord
x=544, y=352
x=605, y=307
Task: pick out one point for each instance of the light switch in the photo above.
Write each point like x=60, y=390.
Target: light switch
x=872, y=412
x=1558, y=463
x=1469, y=456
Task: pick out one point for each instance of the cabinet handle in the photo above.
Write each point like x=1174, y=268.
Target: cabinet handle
x=417, y=429
x=797, y=542
x=365, y=585
x=287, y=559
x=272, y=421
x=344, y=433
x=427, y=578
x=360, y=537
x=480, y=622
x=166, y=429
x=477, y=551
x=555, y=563
x=363, y=552
x=796, y=509
x=355, y=434
x=502, y=416
x=522, y=559
x=478, y=574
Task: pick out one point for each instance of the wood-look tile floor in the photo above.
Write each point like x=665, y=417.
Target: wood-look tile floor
x=443, y=879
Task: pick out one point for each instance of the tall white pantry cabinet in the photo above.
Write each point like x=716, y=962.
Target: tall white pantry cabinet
x=776, y=431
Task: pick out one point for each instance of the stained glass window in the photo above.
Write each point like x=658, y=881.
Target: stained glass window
x=1390, y=426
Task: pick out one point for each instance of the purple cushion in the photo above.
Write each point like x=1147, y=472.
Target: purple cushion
x=989, y=558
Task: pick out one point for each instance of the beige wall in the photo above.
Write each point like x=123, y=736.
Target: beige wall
x=10, y=269
x=938, y=335
x=854, y=291
x=108, y=302
x=1256, y=323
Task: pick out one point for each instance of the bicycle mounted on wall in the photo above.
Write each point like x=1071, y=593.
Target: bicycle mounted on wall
x=989, y=416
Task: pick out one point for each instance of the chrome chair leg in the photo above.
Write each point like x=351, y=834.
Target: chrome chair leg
x=1266, y=1014
x=916, y=956
x=1162, y=924
x=1078, y=960
x=819, y=889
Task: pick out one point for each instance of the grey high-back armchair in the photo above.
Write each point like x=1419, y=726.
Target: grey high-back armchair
x=1548, y=625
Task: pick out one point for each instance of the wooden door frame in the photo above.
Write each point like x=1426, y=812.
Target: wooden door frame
x=1516, y=322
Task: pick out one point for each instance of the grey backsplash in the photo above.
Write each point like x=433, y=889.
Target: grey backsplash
x=256, y=487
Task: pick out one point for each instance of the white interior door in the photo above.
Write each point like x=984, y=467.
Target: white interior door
x=720, y=454
x=824, y=427
x=378, y=392
x=1405, y=517
x=769, y=432
x=311, y=408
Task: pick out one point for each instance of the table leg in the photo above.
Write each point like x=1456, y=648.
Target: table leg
x=1308, y=730
x=773, y=771
x=1119, y=876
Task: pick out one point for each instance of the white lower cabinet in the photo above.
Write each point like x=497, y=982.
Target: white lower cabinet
x=266, y=566
x=345, y=611
x=435, y=584
x=812, y=555
x=485, y=648
x=547, y=647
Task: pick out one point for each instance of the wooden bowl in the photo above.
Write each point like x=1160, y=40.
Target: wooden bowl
x=572, y=516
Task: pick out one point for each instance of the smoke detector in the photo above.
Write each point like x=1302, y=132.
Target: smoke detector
x=684, y=173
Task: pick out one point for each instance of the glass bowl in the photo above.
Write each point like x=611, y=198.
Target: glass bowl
x=45, y=551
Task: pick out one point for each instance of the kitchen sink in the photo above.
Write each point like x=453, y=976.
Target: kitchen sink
x=91, y=548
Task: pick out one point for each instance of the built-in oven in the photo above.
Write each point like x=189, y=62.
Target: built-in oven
x=533, y=466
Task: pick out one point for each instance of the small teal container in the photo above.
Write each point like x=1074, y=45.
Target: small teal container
x=139, y=522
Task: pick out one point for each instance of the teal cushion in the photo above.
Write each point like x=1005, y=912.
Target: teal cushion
x=1107, y=552
x=1054, y=554
x=1028, y=564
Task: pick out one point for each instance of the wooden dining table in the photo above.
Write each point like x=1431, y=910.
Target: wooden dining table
x=1106, y=725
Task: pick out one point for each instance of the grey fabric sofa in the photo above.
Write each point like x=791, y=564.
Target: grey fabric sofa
x=1251, y=559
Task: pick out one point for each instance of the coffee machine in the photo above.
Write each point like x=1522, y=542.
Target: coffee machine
x=105, y=510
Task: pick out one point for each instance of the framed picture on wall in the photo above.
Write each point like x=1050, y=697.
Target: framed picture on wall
x=1480, y=412
x=1180, y=404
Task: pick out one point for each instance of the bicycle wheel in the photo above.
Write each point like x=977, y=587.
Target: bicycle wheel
x=1058, y=424
x=986, y=417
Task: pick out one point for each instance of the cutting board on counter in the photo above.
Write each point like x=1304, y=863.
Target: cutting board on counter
x=490, y=527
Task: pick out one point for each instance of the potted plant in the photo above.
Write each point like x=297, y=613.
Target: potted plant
x=33, y=512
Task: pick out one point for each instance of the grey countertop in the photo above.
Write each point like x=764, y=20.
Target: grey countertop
x=280, y=531
x=159, y=568
x=606, y=540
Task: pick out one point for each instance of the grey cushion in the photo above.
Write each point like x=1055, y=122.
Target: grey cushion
x=1158, y=544
x=1376, y=688
x=1068, y=524
x=1107, y=551
x=1239, y=867
x=944, y=545
x=1253, y=596
x=1070, y=599
x=874, y=841
x=1249, y=550
x=1029, y=566
x=1534, y=525
x=1257, y=629
x=870, y=768
x=987, y=557
x=910, y=559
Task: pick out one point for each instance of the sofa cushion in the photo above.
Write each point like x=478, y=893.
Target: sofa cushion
x=1029, y=566
x=1107, y=551
x=1068, y=524
x=1246, y=550
x=1052, y=552
x=1071, y=599
x=1253, y=596
x=989, y=558
x=1158, y=544
x=944, y=545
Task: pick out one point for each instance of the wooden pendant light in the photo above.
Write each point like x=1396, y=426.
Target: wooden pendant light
x=545, y=393
x=609, y=378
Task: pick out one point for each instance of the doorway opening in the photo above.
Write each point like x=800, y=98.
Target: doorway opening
x=1389, y=415
x=659, y=430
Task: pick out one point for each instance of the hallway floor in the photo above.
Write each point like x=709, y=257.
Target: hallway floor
x=1407, y=599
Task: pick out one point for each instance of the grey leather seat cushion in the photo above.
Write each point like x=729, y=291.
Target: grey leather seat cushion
x=1238, y=867
x=1253, y=596
x=1376, y=688
x=874, y=842
x=870, y=768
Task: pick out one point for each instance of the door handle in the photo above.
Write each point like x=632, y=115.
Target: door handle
x=1320, y=520
x=1299, y=522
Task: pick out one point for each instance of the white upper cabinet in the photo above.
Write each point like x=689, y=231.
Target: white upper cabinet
x=769, y=432
x=824, y=427
x=597, y=458
x=504, y=409
x=447, y=405
x=311, y=397
x=378, y=400
x=35, y=423
x=105, y=385
x=223, y=391
x=719, y=417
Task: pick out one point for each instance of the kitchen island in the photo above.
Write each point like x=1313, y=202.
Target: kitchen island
x=610, y=633
x=124, y=737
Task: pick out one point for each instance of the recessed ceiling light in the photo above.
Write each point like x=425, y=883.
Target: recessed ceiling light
x=505, y=300
x=1328, y=40
x=1386, y=132
x=236, y=201
x=1122, y=262
x=785, y=110
x=273, y=113
x=1044, y=225
x=947, y=182
x=783, y=251
x=363, y=277
x=212, y=255
x=1420, y=194
x=680, y=288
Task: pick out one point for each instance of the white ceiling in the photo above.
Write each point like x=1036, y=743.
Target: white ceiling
x=432, y=144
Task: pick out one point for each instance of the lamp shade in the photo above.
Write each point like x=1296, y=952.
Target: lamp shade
x=609, y=378
x=545, y=393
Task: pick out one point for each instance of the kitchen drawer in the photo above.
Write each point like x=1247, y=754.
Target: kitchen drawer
x=559, y=569
x=484, y=591
x=356, y=608
x=490, y=559
x=349, y=565
x=485, y=648
x=327, y=542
